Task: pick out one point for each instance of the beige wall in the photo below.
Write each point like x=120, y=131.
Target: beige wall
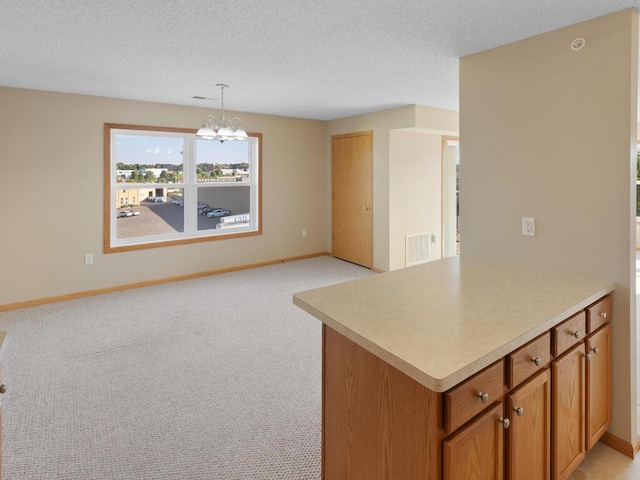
x=415, y=191
x=550, y=133
x=52, y=144
x=417, y=118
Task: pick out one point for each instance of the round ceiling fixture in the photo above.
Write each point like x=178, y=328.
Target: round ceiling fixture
x=578, y=44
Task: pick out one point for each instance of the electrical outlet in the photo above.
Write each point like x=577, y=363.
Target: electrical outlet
x=304, y=232
x=88, y=258
x=529, y=226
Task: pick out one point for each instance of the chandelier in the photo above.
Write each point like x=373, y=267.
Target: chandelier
x=222, y=128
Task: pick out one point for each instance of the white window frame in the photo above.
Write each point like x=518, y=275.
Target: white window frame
x=190, y=187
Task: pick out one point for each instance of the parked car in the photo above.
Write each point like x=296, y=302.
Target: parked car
x=218, y=212
x=128, y=213
x=179, y=201
x=202, y=211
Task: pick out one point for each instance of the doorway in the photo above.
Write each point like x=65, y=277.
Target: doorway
x=352, y=197
x=450, y=196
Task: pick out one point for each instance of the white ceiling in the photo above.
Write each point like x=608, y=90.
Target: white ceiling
x=319, y=59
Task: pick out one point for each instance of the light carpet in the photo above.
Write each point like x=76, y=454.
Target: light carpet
x=212, y=378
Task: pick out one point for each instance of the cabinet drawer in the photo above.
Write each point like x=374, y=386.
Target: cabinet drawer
x=528, y=360
x=598, y=314
x=465, y=401
x=568, y=333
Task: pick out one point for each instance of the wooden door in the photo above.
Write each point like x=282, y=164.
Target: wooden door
x=598, y=384
x=568, y=415
x=477, y=450
x=529, y=436
x=352, y=197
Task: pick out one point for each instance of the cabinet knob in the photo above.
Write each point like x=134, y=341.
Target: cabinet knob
x=519, y=411
x=576, y=334
x=505, y=422
x=537, y=361
x=484, y=397
x=603, y=315
x=587, y=356
x=595, y=350
x=3, y=388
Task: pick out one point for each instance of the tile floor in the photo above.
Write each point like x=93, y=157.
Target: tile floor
x=604, y=463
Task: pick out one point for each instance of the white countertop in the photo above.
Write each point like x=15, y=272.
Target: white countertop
x=443, y=321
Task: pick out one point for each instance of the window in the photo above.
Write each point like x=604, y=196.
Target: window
x=164, y=186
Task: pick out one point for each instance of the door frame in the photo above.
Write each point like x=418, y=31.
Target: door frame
x=443, y=200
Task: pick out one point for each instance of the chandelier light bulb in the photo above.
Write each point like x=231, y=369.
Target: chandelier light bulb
x=222, y=128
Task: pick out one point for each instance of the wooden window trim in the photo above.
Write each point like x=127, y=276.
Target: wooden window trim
x=108, y=248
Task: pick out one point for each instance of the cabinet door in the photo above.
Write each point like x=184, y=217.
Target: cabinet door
x=598, y=384
x=568, y=416
x=529, y=436
x=476, y=450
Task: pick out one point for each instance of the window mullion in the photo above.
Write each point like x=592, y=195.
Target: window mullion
x=190, y=192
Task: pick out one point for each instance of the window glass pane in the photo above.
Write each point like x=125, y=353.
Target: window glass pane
x=222, y=162
x=224, y=207
x=148, y=211
x=148, y=159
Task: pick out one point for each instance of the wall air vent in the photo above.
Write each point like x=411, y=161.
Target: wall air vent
x=417, y=248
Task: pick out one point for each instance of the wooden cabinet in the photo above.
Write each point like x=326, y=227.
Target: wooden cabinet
x=598, y=398
x=569, y=333
x=581, y=400
x=529, y=435
x=477, y=450
x=528, y=360
x=377, y=423
x=472, y=396
x=567, y=406
x=598, y=314
x=532, y=415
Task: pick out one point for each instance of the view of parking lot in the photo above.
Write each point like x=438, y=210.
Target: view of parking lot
x=158, y=219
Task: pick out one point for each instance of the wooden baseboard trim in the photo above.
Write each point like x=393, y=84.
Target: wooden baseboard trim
x=625, y=448
x=118, y=288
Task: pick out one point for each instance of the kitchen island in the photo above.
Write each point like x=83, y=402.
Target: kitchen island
x=421, y=364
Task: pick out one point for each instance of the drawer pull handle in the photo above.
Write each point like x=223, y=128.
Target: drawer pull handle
x=603, y=315
x=484, y=397
x=595, y=350
x=537, y=361
x=3, y=388
x=505, y=422
x=519, y=411
x=576, y=334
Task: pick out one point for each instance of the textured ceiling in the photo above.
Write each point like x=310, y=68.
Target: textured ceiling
x=320, y=59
